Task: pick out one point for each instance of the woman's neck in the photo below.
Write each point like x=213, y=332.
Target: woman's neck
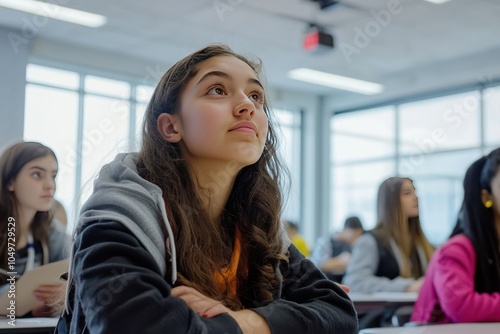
x=25, y=218
x=23, y=224
x=214, y=186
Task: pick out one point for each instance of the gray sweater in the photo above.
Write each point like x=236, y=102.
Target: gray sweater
x=360, y=273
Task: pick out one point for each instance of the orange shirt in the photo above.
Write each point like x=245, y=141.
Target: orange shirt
x=229, y=274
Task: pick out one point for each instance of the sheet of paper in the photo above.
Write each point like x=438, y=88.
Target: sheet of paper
x=24, y=299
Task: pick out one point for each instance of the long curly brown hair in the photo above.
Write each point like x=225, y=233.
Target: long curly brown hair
x=12, y=161
x=254, y=205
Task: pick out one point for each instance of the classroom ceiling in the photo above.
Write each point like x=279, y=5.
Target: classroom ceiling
x=419, y=48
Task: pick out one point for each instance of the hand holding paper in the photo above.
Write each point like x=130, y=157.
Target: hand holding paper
x=35, y=288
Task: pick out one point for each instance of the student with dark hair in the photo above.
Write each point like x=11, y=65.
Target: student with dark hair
x=353, y=223
x=463, y=280
x=394, y=255
x=185, y=236
x=27, y=186
x=331, y=253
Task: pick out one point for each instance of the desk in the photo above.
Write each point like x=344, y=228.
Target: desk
x=28, y=325
x=379, y=300
x=476, y=328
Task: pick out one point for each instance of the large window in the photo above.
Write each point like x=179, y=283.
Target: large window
x=355, y=190
x=87, y=119
x=431, y=141
x=492, y=117
x=362, y=156
x=438, y=139
x=364, y=135
x=51, y=117
x=446, y=123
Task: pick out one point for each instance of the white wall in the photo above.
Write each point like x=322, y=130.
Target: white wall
x=13, y=60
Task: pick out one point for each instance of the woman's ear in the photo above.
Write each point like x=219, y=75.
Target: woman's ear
x=168, y=126
x=485, y=196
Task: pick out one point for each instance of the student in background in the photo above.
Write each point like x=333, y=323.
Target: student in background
x=292, y=230
x=463, y=280
x=394, y=255
x=185, y=236
x=331, y=253
x=27, y=185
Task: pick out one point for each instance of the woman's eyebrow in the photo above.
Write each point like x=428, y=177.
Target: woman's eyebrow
x=255, y=81
x=218, y=74
x=43, y=169
x=38, y=167
x=224, y=75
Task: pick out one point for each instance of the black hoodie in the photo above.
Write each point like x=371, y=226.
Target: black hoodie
x=119, y=261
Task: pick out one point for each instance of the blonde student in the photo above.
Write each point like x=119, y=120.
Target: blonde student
x=463, y=280
x=296, y=238
x=27, y=186
x=185, y=235
x=394, y=255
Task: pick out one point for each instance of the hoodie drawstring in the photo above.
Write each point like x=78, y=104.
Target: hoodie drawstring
x=173, y=257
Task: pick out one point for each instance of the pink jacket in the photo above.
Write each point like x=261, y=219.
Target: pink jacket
x=447, y=294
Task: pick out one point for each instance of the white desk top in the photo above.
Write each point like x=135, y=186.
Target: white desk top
x=384, y=297
x=28, y=325
x=476, y=328
x=364, y=302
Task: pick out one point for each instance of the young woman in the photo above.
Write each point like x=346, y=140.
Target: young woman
x=463, y=280
x=27, y=186
x=394, y=255
x=185, y=237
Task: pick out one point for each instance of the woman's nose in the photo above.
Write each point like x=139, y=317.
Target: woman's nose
x=50, y=183
x=244, y=106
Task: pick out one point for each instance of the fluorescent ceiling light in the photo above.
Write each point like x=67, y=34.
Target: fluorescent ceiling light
x=437, y=2
x=336, y=81
x=56, y=12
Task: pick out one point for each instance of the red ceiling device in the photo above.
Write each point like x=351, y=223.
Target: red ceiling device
x=316, y=41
